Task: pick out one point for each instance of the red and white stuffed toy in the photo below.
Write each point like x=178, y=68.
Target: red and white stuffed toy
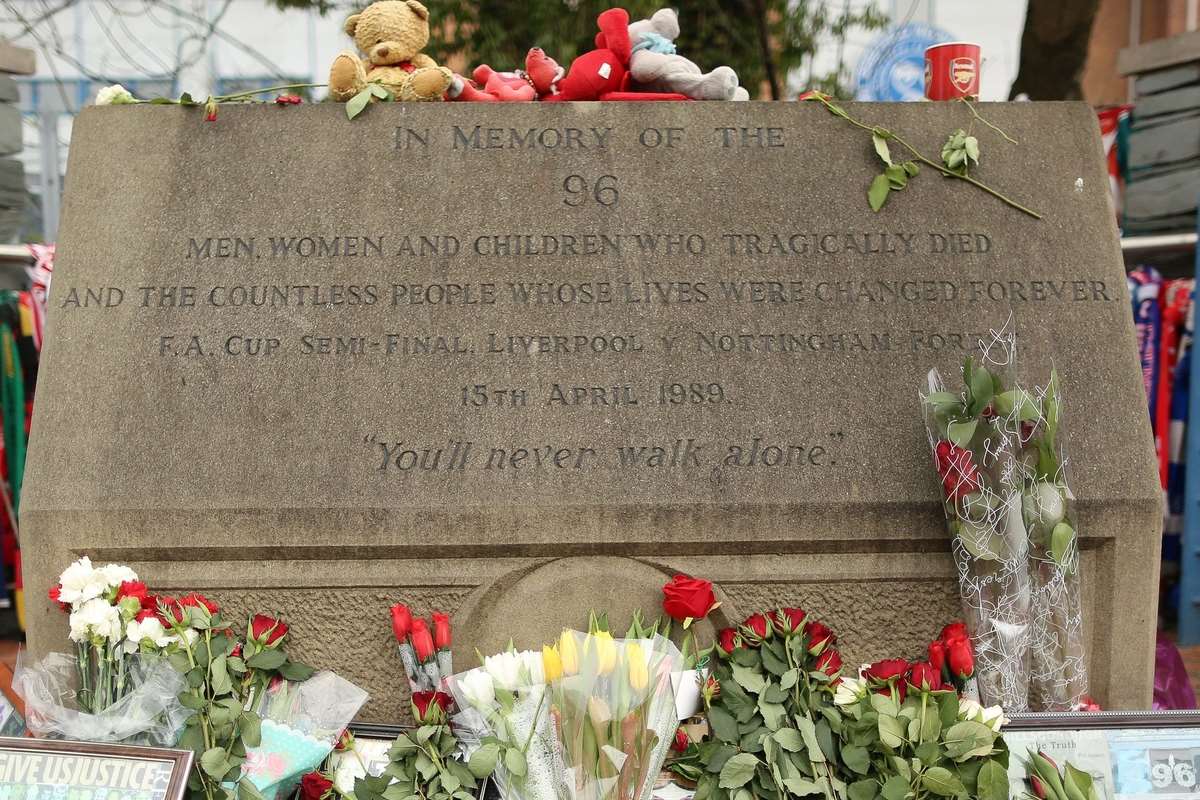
x=538, y=79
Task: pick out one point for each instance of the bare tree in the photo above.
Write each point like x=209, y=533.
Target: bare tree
x=1054, y=49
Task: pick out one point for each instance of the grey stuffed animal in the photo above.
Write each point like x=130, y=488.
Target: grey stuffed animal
x=657, y=67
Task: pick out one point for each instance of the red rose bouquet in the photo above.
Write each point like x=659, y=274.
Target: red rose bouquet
x=974, y=457
x=424, y=653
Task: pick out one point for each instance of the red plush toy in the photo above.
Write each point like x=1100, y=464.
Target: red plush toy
x=538, y=79
x=603, y=70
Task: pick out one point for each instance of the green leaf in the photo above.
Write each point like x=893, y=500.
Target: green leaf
x=266, y=660
x=723, y=725
x=215, y=762
x=789, y=739
x=948, y=709
x=992, y=783
x=881, y=148
x=773, y=663
x=248, y=791
x=968, y=739
x=191, y=700
x=355, y=105
x=877, y=195
x=219, y=676
x=971, y=146
x=896, y=788
x=295, y=671
x=774, y=694
x=748, y=679
x=912, y=168
x=802, y=787
x=1077, y=780
x=773, y=714
x=483, y=761
x=837, y=111
x=717, y=757
x=982, y=389
x=380, y=92
x=931, y=727
x=185, y=99
x=789, y=679
x=896, y=176
x=1062, y=541
x=738, y=771
x=856, y=758
x=884, y=704
x=864, y=789
x=891, y=731
x=250, y=724
x=808, y=730
x=162, y=101
x=942, y=782
x=961, y=433
x=514, y=762
x=943, y=401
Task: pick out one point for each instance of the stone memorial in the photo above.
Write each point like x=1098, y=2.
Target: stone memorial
x=513, y=361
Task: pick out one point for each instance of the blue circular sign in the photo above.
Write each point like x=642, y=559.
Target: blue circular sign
x=892, y=68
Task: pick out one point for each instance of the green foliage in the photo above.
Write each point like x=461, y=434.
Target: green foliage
x=423, y=764
x=764, y=41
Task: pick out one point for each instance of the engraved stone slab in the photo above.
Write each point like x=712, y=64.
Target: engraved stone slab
x=318, y=366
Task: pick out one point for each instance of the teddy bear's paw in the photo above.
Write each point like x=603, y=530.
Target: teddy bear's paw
x=427, y=84
x=721, y=84
x=346, y=77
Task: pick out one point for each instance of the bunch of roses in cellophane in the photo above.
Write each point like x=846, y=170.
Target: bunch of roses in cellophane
x=116, y=687
x=975, y=458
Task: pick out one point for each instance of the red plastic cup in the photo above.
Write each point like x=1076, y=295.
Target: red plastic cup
x=952, y=71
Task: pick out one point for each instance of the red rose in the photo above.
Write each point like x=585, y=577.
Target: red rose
x=960, y=658
x=829, y=662
x=728, y=640
x=757, y=625
x=686, y=599
x=345, y=741
x=429, y=706
x=441, y=630
x=680, y=745
x=145, y=614
x=56, y=592
x=887, y=670
x=790, y=620
x=955, y=630
x=924, y=677
x=288, y=100
x=937, y=656
x=819, y=637
x=401, y=622
x=170, y=612
x=957, y=470
x=422, y=642
x=315, y=786
x=196, y=600
x=236, y=652
x=267, y=631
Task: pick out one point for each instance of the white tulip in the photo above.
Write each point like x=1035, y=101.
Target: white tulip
x=533, y=674
x=1048, y=501
x=505, y=669
x=114, y=95
x=476, y=686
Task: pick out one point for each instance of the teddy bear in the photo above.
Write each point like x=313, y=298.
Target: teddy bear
x=391, y=34
x=602, y=71
x=539, y=78
x=654, y=64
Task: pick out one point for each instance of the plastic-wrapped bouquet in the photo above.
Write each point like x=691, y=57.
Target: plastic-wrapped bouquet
x=426, y=655
x=301, y=723
x=116, y=687
x=975, y=457
x=590, y=718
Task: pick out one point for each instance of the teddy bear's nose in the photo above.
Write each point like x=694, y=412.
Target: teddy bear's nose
x=382, y=51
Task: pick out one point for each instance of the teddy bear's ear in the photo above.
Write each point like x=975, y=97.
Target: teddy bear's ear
x=666, y=22
x=351, y=24
x=418, y=9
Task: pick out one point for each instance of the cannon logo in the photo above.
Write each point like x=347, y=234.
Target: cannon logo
x=962, y=73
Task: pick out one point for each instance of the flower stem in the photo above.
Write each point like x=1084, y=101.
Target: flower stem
x=917, y=155
x=251, y=92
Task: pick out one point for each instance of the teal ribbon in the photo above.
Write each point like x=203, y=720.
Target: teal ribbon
x=654, y=43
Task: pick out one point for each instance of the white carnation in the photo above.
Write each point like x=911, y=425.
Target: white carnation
x=114, y=95
x=150, y=631
x=81, y=582
x=116, y=574
x=96, y=619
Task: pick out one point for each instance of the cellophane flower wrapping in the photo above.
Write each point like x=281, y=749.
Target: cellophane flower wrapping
x=149, y=713
x=615, y=718
x=505, y=703
x=301, y=722
x=1058, y=663
x=975, y=457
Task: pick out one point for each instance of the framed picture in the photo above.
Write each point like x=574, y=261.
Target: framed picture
x=41, y=769
x=1130, y=755
x=369, y=756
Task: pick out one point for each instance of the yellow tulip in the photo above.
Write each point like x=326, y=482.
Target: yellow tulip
x=568, y=653
x=605, y=649
x=639, y=677
x=552, y=664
